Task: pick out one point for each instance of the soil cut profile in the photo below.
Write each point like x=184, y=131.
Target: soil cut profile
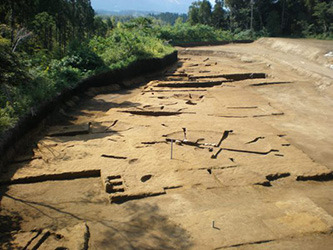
x=229, y=149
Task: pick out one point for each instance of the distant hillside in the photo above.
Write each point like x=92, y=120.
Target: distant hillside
x=174, y=6
x=169, y=18
x=134, y=13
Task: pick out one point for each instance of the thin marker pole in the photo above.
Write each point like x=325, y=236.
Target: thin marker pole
x=171, y=148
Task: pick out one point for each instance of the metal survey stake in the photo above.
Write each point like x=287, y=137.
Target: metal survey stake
x=171, y=148
x=213, y=226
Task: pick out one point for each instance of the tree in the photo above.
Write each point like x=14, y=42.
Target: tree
x=169, y=18
x=12, y=71
x=205, y=12
x=43, y=28
x=266, y=13
x=21, y=35
x=200, y=12
x=273, y=23
x=109, y=23
x=293, y=13
x=218, y=15
x=240, y=11
x=323, y=12
x=100, y=26
x=193, y=13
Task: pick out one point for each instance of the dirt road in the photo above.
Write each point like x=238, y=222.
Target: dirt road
x=230, y=148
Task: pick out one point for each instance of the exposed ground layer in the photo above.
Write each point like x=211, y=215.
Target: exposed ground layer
x=230, y=149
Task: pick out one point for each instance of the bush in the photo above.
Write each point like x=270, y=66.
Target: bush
x=81, y=56
x=184, y=33
x=7, y=118
x=124, y=46
x=12, y=72
x=244, y=35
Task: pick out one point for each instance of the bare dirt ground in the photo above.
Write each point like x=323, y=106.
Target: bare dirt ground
x=249, y=127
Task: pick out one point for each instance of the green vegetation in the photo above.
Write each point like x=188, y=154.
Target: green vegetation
x=292, y=18
x=231, y=20
x=185, y=32
x=169, y=18
x=129, y=43
x=47, y=46
x=36, y=66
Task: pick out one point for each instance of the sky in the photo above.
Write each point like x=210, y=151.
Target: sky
x=177, y=6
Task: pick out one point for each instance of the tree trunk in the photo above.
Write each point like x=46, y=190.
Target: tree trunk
x=260, y=20
x=283, y=14
x=325, y=27
x=12, y=23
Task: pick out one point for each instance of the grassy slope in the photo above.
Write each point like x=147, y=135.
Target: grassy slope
x=28, y=81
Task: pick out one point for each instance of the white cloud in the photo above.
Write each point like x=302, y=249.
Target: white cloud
x=174, y=1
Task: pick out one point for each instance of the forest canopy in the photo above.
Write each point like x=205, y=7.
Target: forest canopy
x=277, y=17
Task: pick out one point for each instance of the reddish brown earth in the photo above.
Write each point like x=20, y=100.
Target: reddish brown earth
x=251, y=168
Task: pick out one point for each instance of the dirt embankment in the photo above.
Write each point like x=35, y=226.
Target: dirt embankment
x=314, y=50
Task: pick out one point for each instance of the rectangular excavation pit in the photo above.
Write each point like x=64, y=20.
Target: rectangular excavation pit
x=234, y=77
x=155, y=113
x=175, y=78
x=112, y=190
x=193, y=77
x=244, y=76
x=191, y=84
x=54, y=177
x=268, y=83
x=253, y=107
x=114, y=157
x=114, y=177
x=247, y=116
x=122, y=198
x=173, y=90
x=272, y=114
x=116, y=183
x=176, y=74
x=320, y=177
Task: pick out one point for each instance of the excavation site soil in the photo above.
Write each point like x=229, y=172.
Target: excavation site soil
x=229, y=148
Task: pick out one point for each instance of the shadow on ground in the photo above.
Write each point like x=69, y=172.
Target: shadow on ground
x=143, y=227
x=147, y=228
x=9, y=222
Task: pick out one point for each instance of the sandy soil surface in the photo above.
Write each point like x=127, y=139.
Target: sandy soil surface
x=230, y=148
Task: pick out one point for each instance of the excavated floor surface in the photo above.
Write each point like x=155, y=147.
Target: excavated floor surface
x=228, y=149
